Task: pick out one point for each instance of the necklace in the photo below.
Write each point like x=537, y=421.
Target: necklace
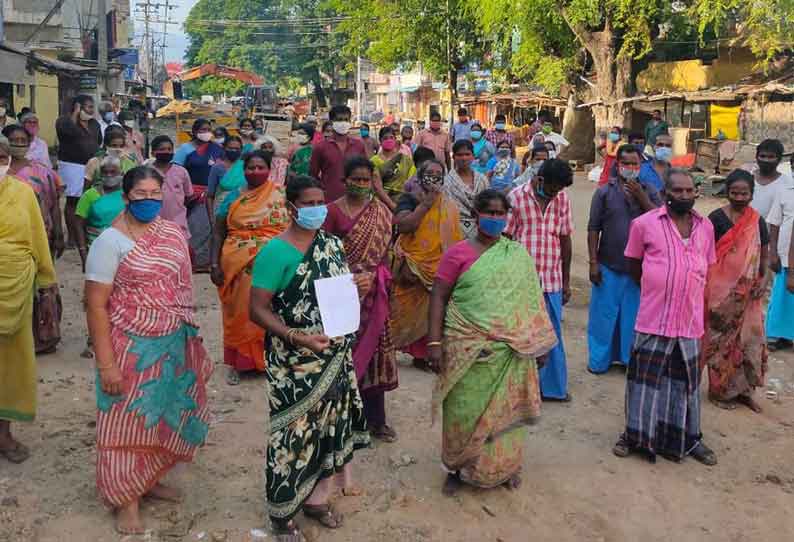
x=130, y=229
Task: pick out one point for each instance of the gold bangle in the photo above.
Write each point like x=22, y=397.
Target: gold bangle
x=434, y=343
x=104, y=367
x=291, y=335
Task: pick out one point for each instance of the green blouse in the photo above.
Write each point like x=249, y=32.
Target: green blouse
x=275, y=265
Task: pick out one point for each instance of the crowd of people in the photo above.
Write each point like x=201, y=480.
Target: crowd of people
x=461, y=256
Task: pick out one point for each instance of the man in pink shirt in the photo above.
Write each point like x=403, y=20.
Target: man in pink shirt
x=436, y=139
x=669, y=252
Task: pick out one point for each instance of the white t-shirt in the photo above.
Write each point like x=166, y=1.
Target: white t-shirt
x=781, y=214
x=764, y=195
x=105, y=255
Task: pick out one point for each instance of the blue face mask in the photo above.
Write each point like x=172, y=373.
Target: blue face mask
x=311, y=218
x=476, y=134
x=364, y=133
x=499, y=125
x=145, y=210
x=613, y=137
x=491, y=226
x=663, y=153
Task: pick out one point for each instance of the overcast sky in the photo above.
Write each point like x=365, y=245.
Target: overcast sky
x=177, y=40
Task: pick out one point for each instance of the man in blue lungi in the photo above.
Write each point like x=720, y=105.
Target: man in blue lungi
x=615, y=297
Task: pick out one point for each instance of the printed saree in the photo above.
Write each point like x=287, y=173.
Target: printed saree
x=366, y=246
x=316, y=413
x=301, y=158
x=734, y=345
x=416, y=259
x=253, y=219
x=394, y=172
x=47, y=305
x=496, y=325
x=463, y=196
x=162, y=417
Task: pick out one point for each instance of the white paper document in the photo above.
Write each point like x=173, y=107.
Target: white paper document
x=340, y=309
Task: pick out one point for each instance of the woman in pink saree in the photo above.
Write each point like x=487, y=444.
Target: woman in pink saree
x=151, y=365
x=734, y=345
x=364, y=224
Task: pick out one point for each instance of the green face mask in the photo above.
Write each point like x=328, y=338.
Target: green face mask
x=359, y=191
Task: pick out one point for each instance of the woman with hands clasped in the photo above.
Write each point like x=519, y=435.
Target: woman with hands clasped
x=316, y=413
x=151, y=365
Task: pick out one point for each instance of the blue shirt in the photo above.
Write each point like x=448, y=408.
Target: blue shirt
x=649, y=176
x=462, y=130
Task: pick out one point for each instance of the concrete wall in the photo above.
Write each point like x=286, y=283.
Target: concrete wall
x=691, y=75
x=44, y=95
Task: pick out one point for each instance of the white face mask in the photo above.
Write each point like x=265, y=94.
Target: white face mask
x=3, y=111
x=204, y=136
x=4, y=170
x=85, y=116
x=552, y=155
x=219, y=140
x=246, y=132
x=341, y=127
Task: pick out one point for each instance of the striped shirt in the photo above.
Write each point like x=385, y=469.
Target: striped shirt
x=673, y=273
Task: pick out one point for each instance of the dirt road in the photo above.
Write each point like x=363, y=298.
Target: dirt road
x=574, y=488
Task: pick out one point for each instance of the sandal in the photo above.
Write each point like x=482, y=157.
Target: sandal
x=621, y=447
x=287, y=532
x=566, y=399
x=324, y=514
x=704, y=455
x=232, y=377
x=18, y=454
x=384, y=433
x=725, y=405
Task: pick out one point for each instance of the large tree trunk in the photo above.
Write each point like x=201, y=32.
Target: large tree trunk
x=613, y=79
x=452, y=79
x=579, y=129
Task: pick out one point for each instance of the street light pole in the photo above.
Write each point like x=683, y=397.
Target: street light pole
x=102, y=48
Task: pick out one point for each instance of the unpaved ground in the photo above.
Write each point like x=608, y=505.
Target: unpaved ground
x=574, y=488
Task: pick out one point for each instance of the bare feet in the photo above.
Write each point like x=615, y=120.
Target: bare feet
x=514, y=482
x=165, y=493
x=452, y=484
x=128, y=519
x=749, y=402
x=12, y=449
x=352, y=491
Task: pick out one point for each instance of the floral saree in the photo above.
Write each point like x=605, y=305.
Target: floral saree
x=734, y=344
x=253, y=219
x=316, y=413
x=416, y=259
x=162, y=417
x=366, y=246
x=47, y=305
x=394, y=173
x=496, y=325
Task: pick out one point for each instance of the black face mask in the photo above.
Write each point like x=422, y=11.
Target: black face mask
x=680, y=206
x=767, y=168
x=232, y=156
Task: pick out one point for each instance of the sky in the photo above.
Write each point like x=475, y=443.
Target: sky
x=177, y=40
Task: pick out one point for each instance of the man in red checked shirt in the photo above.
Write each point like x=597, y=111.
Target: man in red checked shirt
x=541, y=219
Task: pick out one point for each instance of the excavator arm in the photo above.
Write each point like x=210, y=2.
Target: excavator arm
x=220, y=71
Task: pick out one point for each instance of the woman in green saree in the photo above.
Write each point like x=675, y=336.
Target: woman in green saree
x=316, y=413
x=488, y=323
x=394, y=167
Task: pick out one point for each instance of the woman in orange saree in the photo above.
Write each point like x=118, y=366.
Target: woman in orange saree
x=249, y=217
x=734, y=345
x=428, y=223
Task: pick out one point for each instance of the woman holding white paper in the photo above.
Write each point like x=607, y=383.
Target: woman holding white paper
x=316, y=414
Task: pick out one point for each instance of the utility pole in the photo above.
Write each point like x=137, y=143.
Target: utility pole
x=151, y=14
x=102, y=48
x=358, y=88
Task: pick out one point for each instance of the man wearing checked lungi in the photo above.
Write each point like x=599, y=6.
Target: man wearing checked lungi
x=669, y=251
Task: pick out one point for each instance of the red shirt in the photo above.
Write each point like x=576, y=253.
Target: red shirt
x=328, y=164
x=540, y=231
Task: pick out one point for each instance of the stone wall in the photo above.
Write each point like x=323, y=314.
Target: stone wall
x=768, y=120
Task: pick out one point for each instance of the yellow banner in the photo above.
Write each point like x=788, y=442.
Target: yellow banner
x=725, y=119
